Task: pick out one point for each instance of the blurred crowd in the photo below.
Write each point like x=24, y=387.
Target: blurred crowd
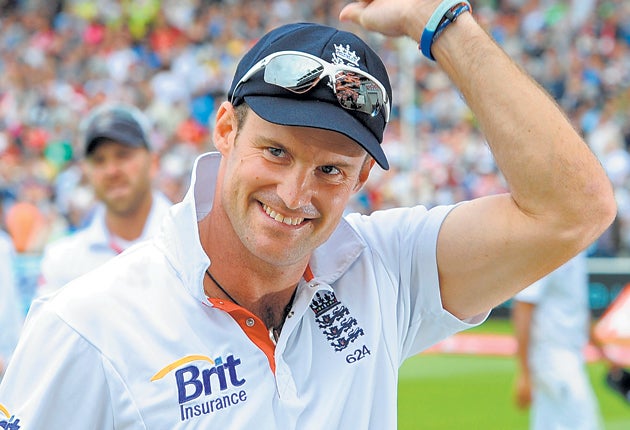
x=174, y=59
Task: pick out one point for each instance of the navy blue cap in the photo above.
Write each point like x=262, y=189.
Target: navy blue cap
x=119, y=123
x=318, y=107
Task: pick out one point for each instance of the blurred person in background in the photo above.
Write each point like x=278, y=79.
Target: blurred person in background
x=11, y=307
x=121, y=168
x=552, y=325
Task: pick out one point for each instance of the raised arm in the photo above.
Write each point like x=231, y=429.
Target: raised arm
x=560, y=198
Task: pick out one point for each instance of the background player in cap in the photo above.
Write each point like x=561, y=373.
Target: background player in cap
x=260, y=305
x=120, y=168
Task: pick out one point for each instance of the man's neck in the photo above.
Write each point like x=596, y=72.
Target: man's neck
x=262, y=288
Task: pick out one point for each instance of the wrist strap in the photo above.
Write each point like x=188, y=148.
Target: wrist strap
x=446, y=13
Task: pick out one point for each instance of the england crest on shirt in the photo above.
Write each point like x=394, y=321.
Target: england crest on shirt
x=334, y=320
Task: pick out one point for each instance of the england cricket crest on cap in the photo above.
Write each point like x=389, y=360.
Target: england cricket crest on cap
x=343, y=55
x=335, y=321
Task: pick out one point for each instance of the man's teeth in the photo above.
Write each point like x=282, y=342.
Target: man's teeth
x=278, y=217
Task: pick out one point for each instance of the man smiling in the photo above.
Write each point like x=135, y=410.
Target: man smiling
x=260, y=305
x=280, y=199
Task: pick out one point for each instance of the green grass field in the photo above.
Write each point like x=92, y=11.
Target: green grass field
x=440, y=391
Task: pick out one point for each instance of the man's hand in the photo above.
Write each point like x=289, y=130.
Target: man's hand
x=523, y=391
x=391, y=17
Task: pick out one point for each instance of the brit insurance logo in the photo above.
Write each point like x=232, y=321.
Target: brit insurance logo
x=8, y=421
x=335, y=321
x=205, y=386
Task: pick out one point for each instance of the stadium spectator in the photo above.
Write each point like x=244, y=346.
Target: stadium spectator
x=61, y=58
x=309, y=314
x=121, y=167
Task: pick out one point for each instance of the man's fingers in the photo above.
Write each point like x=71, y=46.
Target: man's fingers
x=352, y=12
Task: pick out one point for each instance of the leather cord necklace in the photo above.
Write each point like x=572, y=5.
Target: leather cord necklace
x=221, y=288
x=274, y=332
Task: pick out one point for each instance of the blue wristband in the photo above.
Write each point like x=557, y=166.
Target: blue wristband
x=441, y=17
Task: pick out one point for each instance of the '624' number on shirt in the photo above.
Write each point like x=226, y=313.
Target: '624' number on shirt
x=358, y=354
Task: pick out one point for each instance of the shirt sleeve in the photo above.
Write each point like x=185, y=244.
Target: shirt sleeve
x=56, y=378
x=404, y=242
x=429, y=322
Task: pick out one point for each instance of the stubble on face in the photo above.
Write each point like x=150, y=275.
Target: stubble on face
x=259, y=216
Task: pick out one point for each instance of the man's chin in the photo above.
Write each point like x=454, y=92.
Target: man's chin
x=282, y=254
x=120, y=208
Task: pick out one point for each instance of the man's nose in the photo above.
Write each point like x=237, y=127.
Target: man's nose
x=111, y=166
x=296, y=188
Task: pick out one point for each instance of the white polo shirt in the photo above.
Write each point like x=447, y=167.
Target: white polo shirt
x=136, y=344
x=72, y=256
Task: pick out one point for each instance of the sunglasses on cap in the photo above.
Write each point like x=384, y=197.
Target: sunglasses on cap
x=299, y=72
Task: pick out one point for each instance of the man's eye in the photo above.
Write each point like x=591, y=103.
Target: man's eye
x=329, y=170
x=276, y=152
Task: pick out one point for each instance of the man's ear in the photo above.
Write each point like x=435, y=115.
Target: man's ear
x=365, y=173
x=225, y=128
